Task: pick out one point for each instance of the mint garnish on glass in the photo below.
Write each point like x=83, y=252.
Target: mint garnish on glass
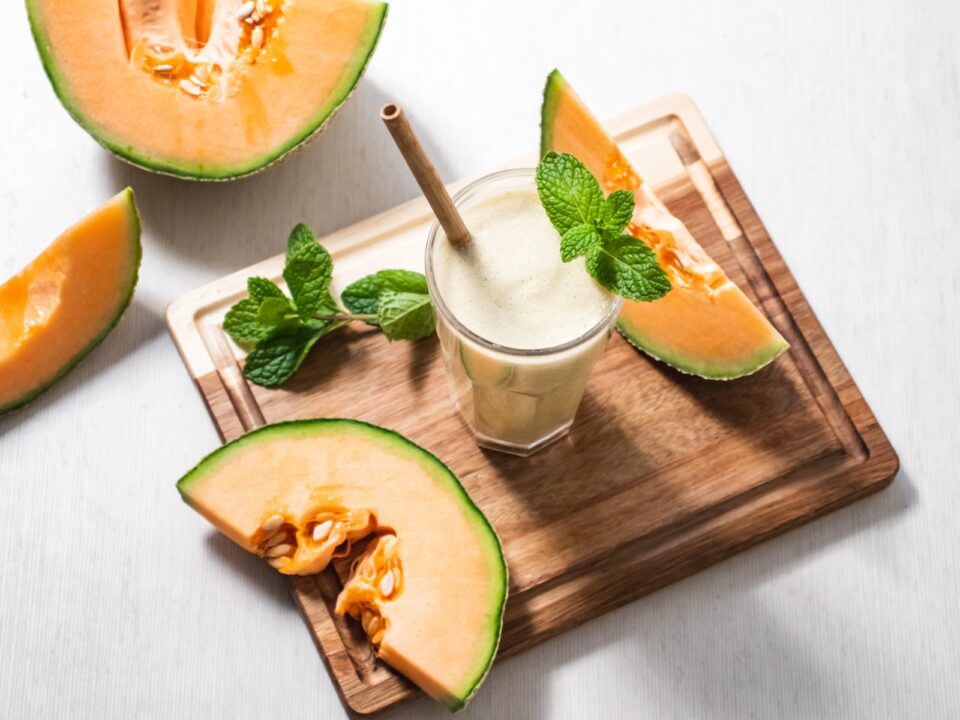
x=282, y=330
x=593, y=226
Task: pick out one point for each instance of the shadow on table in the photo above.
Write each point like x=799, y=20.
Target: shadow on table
x=139, y=324
x=254, y=571
x=348, y=173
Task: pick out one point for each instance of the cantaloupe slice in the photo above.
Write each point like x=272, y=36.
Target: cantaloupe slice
x=706, y=325
x=206, y=89
x=65, y=302
x=430, y=585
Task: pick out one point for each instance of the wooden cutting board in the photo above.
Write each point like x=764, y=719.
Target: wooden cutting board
x=663, y=474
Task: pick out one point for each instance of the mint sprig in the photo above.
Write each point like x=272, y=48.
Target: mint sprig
x=399, y=298
x=593, y=226
x=280, y=331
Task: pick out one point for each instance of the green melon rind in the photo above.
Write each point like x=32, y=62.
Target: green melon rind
x=136, y=254
x=427, y=460
x=130, y=154
x=551, y=96
x=701, y=367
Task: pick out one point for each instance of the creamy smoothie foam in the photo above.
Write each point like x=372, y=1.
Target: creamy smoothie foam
x=510, y=288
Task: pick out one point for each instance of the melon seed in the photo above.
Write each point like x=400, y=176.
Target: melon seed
x=389, y=545
x=278, y=550
x=322, y=531
x=370, y=623
x=273, y=523
x=245, y=9
x=189, y=88
x=377, y=637
x=386, y=585
x=256, y=38
x=276, y=539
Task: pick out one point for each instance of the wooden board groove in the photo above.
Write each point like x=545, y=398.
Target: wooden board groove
x=703, y=469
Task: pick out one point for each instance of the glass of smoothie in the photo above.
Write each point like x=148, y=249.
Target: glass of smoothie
x=519, y=329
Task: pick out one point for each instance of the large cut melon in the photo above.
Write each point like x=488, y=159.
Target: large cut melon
x=65, y=302
x=430, y=584
x=706, y=325
x=206, y=89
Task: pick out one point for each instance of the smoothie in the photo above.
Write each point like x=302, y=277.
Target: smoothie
x=519, y=328
x=509, y=285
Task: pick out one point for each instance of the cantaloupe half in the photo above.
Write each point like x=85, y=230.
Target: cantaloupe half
x=205, y=89
x=63, y=304
x=706, y=325
x=430, y=585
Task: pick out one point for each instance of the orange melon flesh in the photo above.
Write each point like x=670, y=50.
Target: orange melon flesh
x=706, y=325
x=120, y=68
x=64, y=303
x=438, y=621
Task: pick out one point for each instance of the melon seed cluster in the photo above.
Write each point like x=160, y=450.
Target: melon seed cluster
x=201, y=73
x=375, y=578
x=258, y=18
x=308, y=547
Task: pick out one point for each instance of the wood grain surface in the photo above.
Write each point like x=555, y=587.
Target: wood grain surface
x=663, y=474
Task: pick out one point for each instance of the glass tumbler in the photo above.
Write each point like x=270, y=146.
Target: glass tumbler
x=513, y=400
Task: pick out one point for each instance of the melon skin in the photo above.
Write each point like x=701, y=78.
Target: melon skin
x=716, y=335
x=131, y=153
x=223, y=507
x=125, y=202
x=699, y=366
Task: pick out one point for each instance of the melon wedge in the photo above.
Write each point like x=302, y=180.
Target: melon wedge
x=63, y=304
x=706, y=325
x=430, y=584
x=204, y=89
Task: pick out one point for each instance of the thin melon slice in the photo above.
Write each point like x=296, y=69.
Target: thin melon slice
x=63, y=304
x=205, y=89
x=706, y=325
x=429, y=586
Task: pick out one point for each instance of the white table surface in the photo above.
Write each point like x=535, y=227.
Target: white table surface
x=842, y=121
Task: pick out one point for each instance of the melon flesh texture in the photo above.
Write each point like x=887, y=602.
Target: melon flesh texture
x=440, y=623
x=65, y=302
x=705, y=325
x=120, y=68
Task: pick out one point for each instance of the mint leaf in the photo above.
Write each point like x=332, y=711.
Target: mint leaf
x=617, y=211
x=329, y=306
x=275, y=312
x=577, y=240
x=278, y=357
x=628, y=267
x=260, y=289
x=363, y=296
x=569, y=193
x=300, y=235
x=308, y=271
x=242, y=322
x=405, y=316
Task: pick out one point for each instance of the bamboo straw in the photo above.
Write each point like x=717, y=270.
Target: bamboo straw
x=425, y=174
